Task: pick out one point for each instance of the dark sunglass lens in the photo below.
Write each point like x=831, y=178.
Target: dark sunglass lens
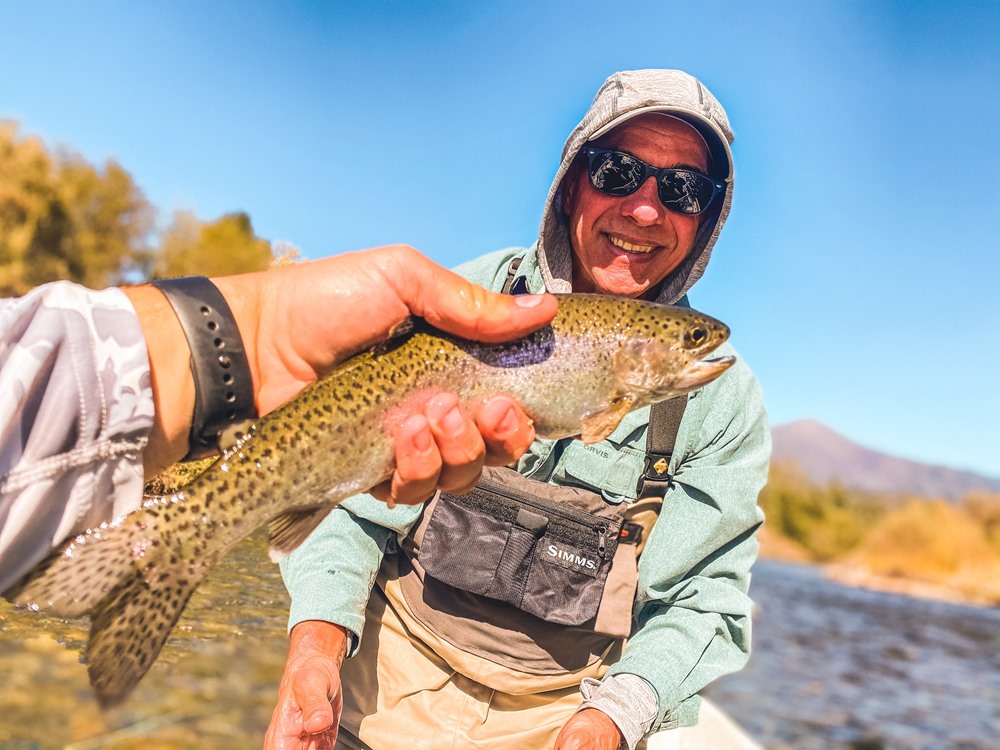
x=685, y=191
x=615, y=173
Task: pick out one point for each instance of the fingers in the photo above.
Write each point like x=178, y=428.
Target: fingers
x=451, y=303
x=418, y=465
x=507, y=431
x=440, y=449
x=314, y=695
x=446, y=447
x=463, y=451
x=286, y=726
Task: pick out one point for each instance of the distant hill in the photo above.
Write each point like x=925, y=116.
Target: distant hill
x=825, y=455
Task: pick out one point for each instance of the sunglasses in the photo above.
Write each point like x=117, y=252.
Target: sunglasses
x=682, y=190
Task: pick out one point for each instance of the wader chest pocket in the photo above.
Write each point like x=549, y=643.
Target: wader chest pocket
x=545, y=556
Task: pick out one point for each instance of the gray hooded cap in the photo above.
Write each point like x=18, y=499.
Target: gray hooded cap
x=624, y=96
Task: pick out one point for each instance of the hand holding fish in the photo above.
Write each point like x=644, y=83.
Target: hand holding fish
x=297, y=322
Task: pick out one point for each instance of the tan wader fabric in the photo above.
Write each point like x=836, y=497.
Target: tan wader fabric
x=407, y=687
x=403, y=689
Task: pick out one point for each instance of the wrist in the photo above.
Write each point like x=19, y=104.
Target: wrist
x=319, y=638
x=626, y=700
x=170, y=378
x=261, y=303
x=223, y=383
x=244, y=296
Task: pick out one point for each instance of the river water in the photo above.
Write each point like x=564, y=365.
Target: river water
x=833, y=668
x=844, y=668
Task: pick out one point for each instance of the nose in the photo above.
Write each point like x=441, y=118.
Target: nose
x=643, y=206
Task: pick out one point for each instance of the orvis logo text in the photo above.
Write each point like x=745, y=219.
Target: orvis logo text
x=570, y=558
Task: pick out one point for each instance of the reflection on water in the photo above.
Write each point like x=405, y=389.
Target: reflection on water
x=842, y=668
x=833, y=668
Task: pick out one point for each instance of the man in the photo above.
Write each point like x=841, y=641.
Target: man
x=99, y=385
x=643, y=189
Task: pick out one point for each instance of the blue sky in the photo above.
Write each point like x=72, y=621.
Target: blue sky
x=858, y=269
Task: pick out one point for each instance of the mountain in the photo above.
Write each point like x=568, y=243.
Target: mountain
x=825, y=456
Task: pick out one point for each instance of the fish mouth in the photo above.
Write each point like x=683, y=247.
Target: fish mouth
x=704, y=371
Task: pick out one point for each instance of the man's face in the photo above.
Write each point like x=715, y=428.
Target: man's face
x=628, y=245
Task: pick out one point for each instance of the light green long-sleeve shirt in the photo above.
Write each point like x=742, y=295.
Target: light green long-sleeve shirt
x=692, y=613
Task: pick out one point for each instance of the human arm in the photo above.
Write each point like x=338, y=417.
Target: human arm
x=297, y=322
x=329, y=578
x=691, y=619
x=692, y=613
x=309, y=699
x=74, y=417
x=101, y=386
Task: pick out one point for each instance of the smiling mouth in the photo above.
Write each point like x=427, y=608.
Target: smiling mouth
x=628, y=246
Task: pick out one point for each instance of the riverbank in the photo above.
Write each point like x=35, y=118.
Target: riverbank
x=979, y=592
x=977, y=587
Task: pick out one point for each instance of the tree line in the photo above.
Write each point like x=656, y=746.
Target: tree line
x=64, y=218
x=955, y=545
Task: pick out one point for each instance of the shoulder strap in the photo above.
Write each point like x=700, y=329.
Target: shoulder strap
x=664, y=422
x=514, y=285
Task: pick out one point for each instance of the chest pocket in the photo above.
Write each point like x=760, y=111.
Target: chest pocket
x=605, y=467
x=542, y=548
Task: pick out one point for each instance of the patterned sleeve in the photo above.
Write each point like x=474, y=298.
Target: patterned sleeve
x=76, y=408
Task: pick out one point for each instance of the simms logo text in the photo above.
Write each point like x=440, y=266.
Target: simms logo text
x=571, y=558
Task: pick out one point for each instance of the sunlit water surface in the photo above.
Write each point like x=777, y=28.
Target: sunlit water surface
x=833, y=667
x=844, y=668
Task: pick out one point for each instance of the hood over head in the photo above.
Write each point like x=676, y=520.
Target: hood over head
x=623, y=96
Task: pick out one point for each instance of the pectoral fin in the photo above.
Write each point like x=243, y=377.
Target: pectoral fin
x=289, y=530
x=599, y=425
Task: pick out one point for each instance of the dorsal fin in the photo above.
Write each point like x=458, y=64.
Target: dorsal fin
x=398, y=334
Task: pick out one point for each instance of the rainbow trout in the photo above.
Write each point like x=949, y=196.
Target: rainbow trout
x=599, y=359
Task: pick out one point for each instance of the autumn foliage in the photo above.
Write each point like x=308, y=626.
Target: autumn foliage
x=932, y=542
x=63, y=218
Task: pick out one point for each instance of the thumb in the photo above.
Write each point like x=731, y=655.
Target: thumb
x=314, y=692
x=449, y=302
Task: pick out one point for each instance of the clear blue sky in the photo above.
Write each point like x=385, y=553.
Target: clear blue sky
x=858, y=270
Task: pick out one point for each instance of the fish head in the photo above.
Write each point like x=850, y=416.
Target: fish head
x=665, y=350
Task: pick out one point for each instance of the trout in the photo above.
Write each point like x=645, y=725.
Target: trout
x=600, y=358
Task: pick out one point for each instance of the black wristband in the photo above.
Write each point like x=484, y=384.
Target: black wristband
x=223, y=385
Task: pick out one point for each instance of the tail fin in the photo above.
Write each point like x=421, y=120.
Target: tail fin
x=73, y=579
x=129, y=627
x=133, y=586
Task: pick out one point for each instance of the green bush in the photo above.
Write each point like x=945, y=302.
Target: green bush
x=829, y=521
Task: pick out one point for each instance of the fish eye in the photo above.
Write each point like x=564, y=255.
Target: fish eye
x=695, y=336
